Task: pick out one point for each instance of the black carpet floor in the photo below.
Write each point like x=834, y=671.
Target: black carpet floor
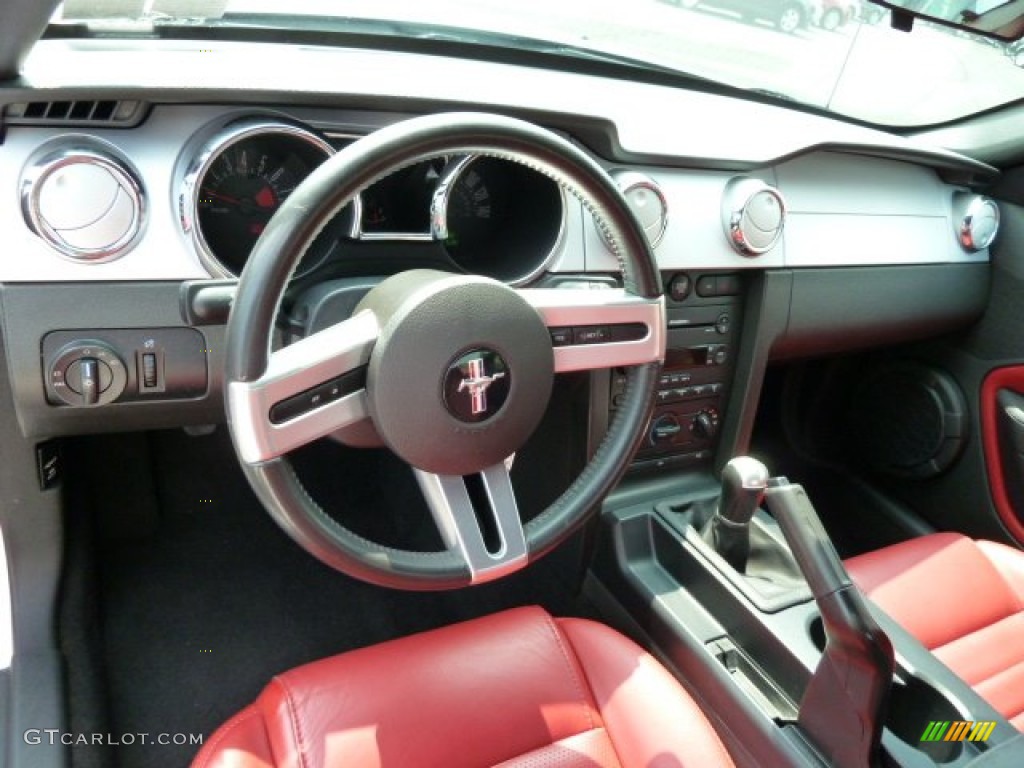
x=201, y=599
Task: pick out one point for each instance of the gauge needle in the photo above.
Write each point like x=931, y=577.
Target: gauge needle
x=222, y=198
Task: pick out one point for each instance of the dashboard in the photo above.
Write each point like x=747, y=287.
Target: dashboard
x=124, y=204
x=195, y=185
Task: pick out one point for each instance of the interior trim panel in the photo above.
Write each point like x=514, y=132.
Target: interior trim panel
x=884, y=212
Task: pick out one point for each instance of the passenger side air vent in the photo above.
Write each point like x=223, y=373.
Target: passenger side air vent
x=753, y=214
x=92, y=112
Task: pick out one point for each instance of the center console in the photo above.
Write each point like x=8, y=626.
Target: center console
x=808, y=672
x=704, y=312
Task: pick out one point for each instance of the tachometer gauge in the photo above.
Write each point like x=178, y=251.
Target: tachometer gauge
x=240, y=180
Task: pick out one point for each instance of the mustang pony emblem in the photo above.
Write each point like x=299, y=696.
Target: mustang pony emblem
x=477, y=383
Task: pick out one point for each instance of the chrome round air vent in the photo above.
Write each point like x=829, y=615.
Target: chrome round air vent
x=977, y=220
x=83, y=200
x=753, y=214
x=647, y=202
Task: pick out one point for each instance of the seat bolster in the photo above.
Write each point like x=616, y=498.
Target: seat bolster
x=470, y=694
x=240, y=743
x=625, y=680
x=516, y=688
x=1010, y=564
x=921, y=581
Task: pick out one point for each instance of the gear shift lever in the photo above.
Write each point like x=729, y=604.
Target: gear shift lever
x=744, y=480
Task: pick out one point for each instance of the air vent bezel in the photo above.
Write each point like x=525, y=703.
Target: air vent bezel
x=72, y=149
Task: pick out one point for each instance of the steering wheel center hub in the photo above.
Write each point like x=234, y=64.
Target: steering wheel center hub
x=461, y=373
x=476, y=385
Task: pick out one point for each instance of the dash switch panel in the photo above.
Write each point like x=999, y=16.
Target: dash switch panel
x=93, y=367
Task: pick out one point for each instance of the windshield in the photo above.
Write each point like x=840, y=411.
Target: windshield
x=837, y=55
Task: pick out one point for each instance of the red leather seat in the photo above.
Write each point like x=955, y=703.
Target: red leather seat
x=515, y=689
x=964, y=600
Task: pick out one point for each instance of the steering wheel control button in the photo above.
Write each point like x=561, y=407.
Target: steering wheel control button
x=318, y=396
x=561, y=337
x=461, y=372
x=586, y=335
x=591, y=334
x=477, y=385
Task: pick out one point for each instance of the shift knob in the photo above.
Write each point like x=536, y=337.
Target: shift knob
x=744, y=480
x=743, y=484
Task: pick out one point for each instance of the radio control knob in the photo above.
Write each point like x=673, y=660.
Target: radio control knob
x=705, y=425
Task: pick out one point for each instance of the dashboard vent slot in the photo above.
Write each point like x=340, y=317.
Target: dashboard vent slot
x=113, y=113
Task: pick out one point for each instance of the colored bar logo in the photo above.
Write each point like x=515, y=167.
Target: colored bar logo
x=958, y=730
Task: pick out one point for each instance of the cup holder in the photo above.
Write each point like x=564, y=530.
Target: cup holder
x=913, y=703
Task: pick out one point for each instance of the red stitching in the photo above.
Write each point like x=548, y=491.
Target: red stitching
x=577, y=682
x=296, y=722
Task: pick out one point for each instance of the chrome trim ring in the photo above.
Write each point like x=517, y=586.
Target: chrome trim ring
x=739, y=194
x=629, y=181
x=439, y=216
x=212, y=149
x=978, y=209
x=69, y=151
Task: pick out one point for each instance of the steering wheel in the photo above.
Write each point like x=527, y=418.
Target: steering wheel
x=455, y=371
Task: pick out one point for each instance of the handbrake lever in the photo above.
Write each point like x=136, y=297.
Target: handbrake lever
x=843, y=709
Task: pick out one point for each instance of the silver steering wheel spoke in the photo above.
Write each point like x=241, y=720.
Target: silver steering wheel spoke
x=478, y=518
x=310, y=389
x=600, y=328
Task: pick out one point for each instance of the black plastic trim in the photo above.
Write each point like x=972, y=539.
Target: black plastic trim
x=841, y=310
x=30, y=311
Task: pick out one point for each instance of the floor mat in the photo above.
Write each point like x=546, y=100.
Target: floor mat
x=201, y=612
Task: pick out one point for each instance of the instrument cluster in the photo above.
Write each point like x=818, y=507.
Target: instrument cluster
x=488, y=215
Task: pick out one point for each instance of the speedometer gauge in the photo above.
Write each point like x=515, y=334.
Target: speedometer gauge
x=498, y=218
x=239, y=181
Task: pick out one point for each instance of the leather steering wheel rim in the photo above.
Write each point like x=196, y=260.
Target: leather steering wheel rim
x=285, y=240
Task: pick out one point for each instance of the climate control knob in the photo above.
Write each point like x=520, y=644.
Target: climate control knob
x=87, y=373
x=664, y=429
x=705, y=424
